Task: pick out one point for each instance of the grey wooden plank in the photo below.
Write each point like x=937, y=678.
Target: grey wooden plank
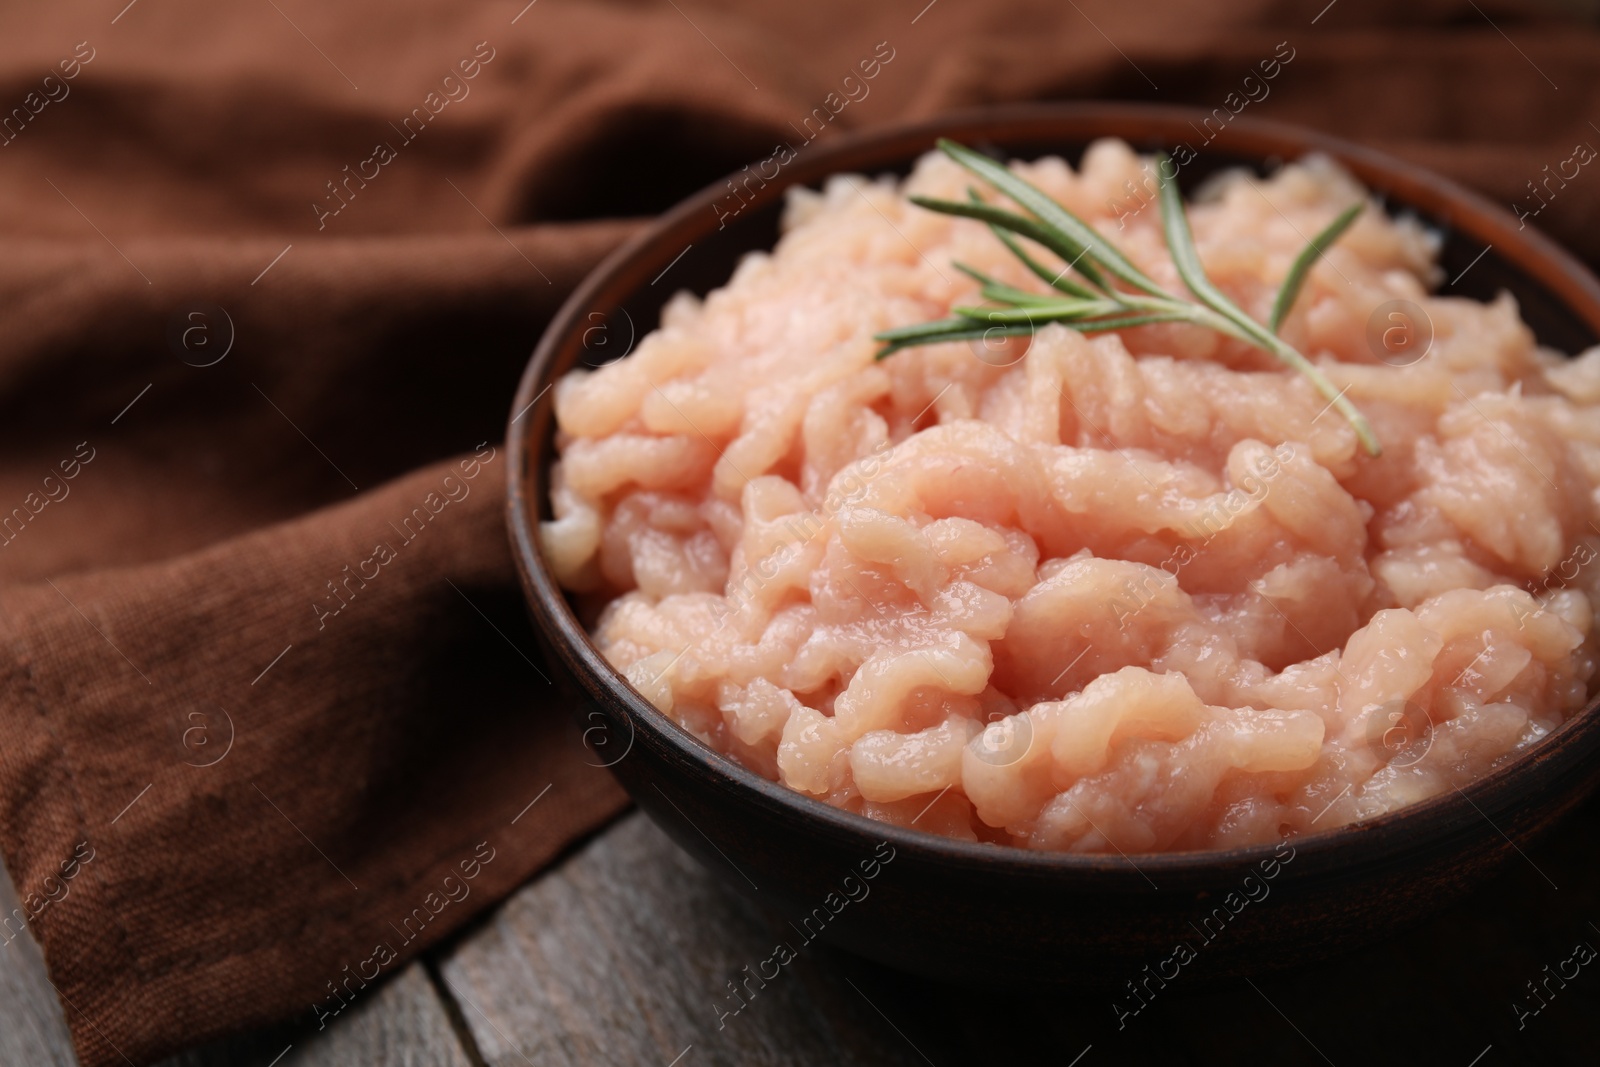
x=622, y=956
x=404, y=1024
x=407, y=1025
x=34, y=1031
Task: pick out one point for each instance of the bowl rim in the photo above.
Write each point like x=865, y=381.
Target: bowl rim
x=1375, y=839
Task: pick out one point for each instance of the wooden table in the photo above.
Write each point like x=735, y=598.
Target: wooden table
x=620, y=955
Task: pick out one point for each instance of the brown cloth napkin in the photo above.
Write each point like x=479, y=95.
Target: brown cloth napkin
x=269, y=273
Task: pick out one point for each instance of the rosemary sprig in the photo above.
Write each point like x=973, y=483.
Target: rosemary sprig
x=1306, y=260
x=1091, y=302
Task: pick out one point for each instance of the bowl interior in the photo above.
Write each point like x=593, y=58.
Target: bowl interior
x=1483, y=252
x=697, y=246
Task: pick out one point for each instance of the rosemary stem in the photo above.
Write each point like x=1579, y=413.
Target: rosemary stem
x=1336, y=397
x=1099, y=262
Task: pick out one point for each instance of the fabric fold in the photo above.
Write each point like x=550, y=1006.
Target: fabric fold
x=223, y=749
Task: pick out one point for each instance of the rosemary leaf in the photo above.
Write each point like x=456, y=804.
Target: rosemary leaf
x=1186, y=257
x=1004, y=294
x=1054, y=279
x=1000, y=292
x=1056, y=241
x=921, y=329
x=971, y=333
x=1054, y=311
x=976, y=275
x=1057, y=279
x=1126, y=322
x=1083, y=249
x=1298, y=272
x=1054, y=217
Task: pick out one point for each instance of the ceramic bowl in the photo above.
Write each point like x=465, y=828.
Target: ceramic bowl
x=984, y=913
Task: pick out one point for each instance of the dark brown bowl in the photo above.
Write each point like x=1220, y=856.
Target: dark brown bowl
x=990, y=914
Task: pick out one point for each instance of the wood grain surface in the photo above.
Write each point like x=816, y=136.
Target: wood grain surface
x=405, y=1025
x=624, y=957
x=32, y=1029
x=621, y=954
